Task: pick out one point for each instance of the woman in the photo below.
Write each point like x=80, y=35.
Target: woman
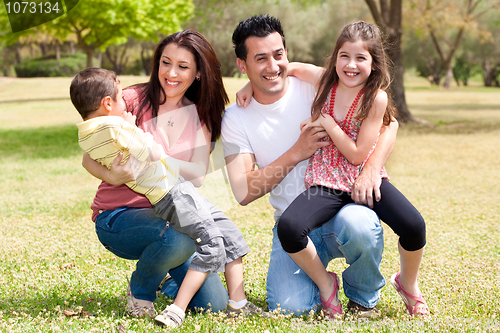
x=181, y=106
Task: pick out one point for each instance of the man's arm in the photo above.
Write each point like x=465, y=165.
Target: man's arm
x=368, y=183
x=249, y=183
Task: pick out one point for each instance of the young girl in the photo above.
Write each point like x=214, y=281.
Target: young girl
x=351, y=105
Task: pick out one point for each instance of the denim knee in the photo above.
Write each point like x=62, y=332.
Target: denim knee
x=360, y=231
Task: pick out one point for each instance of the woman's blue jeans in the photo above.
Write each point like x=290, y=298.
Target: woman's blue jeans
x=136, y=234
x=355, y=234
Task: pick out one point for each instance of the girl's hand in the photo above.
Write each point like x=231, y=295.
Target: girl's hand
x=309, y=123
x=244, y=95
x=129, y=117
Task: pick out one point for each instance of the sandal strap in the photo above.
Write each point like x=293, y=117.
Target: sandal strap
x=405, y=295
x=334, y=309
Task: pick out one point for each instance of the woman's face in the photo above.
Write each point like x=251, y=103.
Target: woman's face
x=177, y=70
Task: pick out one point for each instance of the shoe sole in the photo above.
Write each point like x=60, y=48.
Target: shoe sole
x=164, y=321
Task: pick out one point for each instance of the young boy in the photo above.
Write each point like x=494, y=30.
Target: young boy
x=108, y=130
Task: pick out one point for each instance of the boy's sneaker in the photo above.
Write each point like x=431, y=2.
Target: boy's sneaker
x=170, y=317
x=134, y=310
x=248, y=310
x=361, y=311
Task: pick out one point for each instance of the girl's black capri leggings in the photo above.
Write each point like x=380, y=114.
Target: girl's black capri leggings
x=318, y=204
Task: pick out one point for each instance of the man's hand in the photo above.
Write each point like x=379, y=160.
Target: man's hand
x=308, y=142
x=367, y=187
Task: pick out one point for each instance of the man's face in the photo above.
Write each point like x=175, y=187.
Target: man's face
x=266, y=67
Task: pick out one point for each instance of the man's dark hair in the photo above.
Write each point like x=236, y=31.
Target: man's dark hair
x=255, y=26
x=89, y=87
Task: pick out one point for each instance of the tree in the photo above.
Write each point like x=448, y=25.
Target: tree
x=446, y=22
x=486, y=51
x=100, y=23
x=388, y=17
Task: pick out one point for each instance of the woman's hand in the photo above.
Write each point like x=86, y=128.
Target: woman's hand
x=117, y=175
x=244, y=95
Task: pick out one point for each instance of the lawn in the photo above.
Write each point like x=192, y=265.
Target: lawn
x=56, y=277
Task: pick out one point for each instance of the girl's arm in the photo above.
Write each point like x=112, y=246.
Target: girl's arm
x=355, y=151
x=244, y=95
x=306, y=72
x=366, y=187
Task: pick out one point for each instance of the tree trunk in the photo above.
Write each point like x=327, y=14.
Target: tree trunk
x=388, y=18
x=145, y=59
x=397, y=89
x=488, y=71
x=58, y=50
x=448, y=77
x=90, y=57
x=18, y=53
x=43, y=48
x=99, y=59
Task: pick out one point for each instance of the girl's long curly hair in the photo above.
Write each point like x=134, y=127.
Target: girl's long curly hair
x=379, y=78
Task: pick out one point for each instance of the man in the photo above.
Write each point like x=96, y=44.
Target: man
x=266, y=134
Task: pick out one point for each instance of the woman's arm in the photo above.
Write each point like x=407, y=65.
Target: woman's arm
x=355, y=151
x=117, y=175
x=195, y=170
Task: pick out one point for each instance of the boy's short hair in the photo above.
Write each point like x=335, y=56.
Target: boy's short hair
x=255, y=26
x=89, y=87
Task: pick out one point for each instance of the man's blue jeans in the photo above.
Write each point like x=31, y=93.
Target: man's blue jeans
x=136, y=234
x=355, y=234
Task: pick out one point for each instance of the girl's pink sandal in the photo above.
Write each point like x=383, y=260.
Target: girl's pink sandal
x=333, y=311
x=420, y=306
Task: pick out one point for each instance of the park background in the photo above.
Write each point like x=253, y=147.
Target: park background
x=56, y=277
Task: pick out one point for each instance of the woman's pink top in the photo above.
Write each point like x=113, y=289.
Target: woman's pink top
x=111, y=197
x=337, y=172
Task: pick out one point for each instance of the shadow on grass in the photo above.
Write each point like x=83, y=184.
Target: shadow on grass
x=84, y=305
x=16, y=101
x=461, y=106
x=44, y=142
x=458, y=126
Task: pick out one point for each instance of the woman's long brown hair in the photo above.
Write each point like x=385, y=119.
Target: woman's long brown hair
x=208, y=93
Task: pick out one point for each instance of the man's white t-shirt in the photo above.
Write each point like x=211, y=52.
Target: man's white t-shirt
x=267, y=132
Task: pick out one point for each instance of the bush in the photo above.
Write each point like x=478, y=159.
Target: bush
x=49, y=66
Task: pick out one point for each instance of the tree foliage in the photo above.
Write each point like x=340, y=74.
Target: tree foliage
x=96, y=24
x=446, y=22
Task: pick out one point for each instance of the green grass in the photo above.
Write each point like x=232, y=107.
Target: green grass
x=51, y=261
